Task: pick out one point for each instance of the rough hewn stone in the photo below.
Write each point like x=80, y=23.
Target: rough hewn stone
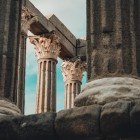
x=78, y=122
x=8, y=128
x=135, y=117
x=8, y=108
x=108, y=90
x=112, y=122
x=37, y=127
x=114, y=118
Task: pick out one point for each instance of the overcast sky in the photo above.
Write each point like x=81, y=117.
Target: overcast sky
x=73, y=14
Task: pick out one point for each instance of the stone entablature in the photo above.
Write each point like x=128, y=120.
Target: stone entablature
x=73, y=70
x=27, y=18
x=46, y=47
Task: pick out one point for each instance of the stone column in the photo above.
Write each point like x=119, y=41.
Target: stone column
x=111, y=38
x=47, y=49
x=72, y=72
x=21, y=72
x=27, y=18
x=10, y=13
x=112, y=52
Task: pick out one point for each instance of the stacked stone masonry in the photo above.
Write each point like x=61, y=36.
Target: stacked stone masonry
x=113, y=121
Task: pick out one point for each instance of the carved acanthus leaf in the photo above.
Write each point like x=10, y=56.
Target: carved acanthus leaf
x=73, y=70
x=46, y=47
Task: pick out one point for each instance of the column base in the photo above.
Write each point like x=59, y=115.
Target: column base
x=8, y=108
x=108, y=90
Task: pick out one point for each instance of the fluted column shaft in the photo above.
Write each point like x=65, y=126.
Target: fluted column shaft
x=47, y=50
x=46, y=92
x=21, y=72
x=72, y=73
x=72, y=89
x=10, y=11
x=113, y=38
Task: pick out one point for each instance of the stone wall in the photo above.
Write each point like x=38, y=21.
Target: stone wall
x=114, y=121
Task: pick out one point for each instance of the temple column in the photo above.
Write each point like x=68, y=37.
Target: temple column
x=112, y=52
x=72, y=74
x=10, y=13
x=21, y=72
x=27, y=18
x=47, y=49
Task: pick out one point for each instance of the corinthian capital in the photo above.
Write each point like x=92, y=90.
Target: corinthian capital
x=46, y=46
x=27, y=18
x=73, y=70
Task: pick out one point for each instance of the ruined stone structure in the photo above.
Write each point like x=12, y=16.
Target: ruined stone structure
x=113, y=44
x=27, y=18
x=72, y=71
x=108, y=107
x=13, y=58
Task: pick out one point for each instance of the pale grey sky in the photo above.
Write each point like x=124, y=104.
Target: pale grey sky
x=71, y=12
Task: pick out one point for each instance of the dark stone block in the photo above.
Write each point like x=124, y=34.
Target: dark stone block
x=80, y=122
x=135, y=118
x=36, y=127
x=115, y=118
x=8, y=128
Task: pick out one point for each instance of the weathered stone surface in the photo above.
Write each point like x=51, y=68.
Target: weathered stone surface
x=112, y=122
x=78, y=122
x=63, y=29
x=135, y=117
x=8, y=108
x=10, y=15
x=108, y=90
x=114, y=118
x=113, y=40
x=8, y=128
x=37, y=127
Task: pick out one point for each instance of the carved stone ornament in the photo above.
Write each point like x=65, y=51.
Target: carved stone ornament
x=46, y=47
x=73, y=70
x=27, y=18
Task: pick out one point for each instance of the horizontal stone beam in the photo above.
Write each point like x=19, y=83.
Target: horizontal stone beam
x=43, y=25
x=63, y=29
